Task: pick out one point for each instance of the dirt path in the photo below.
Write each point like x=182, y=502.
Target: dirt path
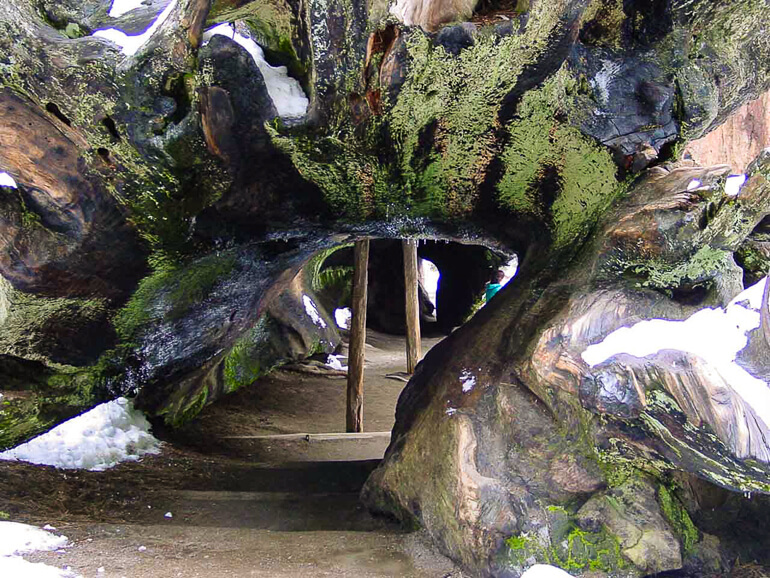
x=264, y=508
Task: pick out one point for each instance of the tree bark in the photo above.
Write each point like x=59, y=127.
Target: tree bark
x=413, y=346
x=355, y=405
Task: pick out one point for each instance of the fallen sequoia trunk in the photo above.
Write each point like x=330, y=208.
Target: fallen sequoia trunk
x=169, y=191
x=509, y=447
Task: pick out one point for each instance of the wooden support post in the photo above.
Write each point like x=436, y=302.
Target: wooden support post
x=411, y=283
x=355, y=409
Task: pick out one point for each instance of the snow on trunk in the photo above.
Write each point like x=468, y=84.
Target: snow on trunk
x=99, y=439
x=130, y=44
x=715, y=335
x=7, y=180
x=120, y=7
x=285, y=92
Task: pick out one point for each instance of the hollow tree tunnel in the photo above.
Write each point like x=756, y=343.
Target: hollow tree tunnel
x=163, y=201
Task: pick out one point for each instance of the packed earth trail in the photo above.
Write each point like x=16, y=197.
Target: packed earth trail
x=209, y=506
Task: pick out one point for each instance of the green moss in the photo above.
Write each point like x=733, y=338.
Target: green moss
x=27, y=320
x=46, y=402
x=271, y=24
x=169, y=292
x=678, y=519
x=576, y=550
x=701, y=267
x=251, y=357
x=552, y=171
x=428, y=151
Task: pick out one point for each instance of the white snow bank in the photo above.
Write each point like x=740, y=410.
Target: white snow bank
x=14, y=567
x=312, y=311
x=545, y=571
x=130, y=44
x=733, y=185
x=342, y=317
x=101, y=438
x=6, y=180
x=16, y=539
x=715, y=335
x=120, y=7
x=285, y=92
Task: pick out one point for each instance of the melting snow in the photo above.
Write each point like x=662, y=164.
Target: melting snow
x=733, y=185
x=130, y=44
x=285, y=92
x=342, y=317
x=6, y=180
x=468, y=380
x=120, y=7
x=545, y=571
x=715, y=335
x=17, y=539
x=312, y=311
x=101, y=438
x=334, y=362
x=693, y=184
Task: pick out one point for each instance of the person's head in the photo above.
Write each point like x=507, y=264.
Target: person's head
x=497, y=276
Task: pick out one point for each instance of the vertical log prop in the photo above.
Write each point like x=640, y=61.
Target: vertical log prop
x=355, y=407
x=411, y=283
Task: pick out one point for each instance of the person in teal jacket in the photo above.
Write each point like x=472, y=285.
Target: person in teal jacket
x=494, y=285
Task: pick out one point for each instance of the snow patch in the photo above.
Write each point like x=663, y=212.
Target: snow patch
x=715, y=335
x=14, y=566
x=733, y=185
x=120, y=7
x=17, y=539
x=545, y=571
x=130, y=44
x=342, y=317
x=693, y=184
x=468, y=380
x=334, y=361
x=99, y=439
x=285, y=92
x=312, y=311
x=7, y=180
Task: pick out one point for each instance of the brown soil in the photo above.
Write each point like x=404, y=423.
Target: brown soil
x=263, y=508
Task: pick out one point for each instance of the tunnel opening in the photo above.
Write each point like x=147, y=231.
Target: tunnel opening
x=453, y=278
x=297, y=400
